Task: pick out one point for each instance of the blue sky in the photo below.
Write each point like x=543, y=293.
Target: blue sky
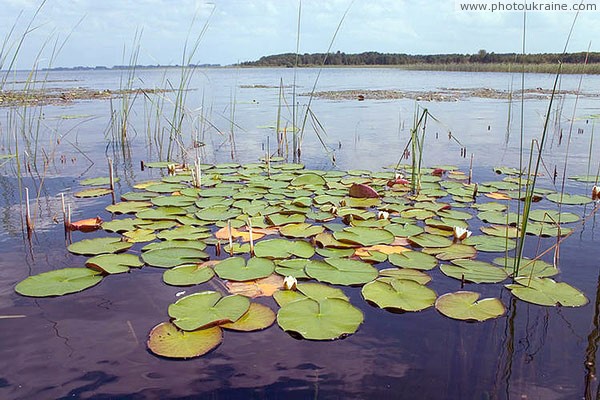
x=241, y=30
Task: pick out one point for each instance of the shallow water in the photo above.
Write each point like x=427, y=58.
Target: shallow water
x=92, y=344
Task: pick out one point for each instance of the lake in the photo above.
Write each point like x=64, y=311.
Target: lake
x=92, y=344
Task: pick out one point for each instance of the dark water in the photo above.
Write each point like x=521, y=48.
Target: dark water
x=92, y=344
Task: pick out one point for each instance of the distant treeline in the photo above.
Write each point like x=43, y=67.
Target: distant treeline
x=375, y=58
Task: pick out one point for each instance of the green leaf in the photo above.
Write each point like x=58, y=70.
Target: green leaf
x=97, y=192
x=315, y=291
x=172, y=257
x=413, y=260
x=364, y=236
x=160, y=213
x=464, y=306
x=452, y=252
x=237, y=269
x=302, y=230
x=283, y=219
x=58, y=282
x=257, y=317
x=535, y=268
x=166, y=340
x=104, y=245
x=490, y=243
x=114, y=263
x=429, y=241
x=185, y=232
x=547, y=292
x=335, y=253
x=186, y=275
x=206, y=309
x=404, y=273
x=568, y=198
x=218, y=213
x=404, y=230
x=327, y=319
x=474, y=271
x=128, y=207
x=97, y=181
x=399, y=294
x=168, y=244
x=292, y=267
x=282, y=248
x=341, y=271
x=502, y=231
x=552, y=216
x=308, y=179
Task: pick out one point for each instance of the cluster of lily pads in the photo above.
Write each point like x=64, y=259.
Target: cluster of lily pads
x=272, y=220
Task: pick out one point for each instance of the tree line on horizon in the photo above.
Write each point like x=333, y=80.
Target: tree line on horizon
x=376, y=58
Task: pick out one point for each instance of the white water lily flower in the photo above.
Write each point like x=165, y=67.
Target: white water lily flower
x=383, y=215
x=596, y=193
x=290, y=283
x=461, y=233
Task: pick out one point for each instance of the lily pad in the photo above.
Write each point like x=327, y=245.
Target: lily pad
x=104, y=245
x=257, y=317
x=404, y=230
x=341, y=271
x=315, y=291
x=114, y=263
x=237, y=269
x=172, y=257
x=282, y=248
x=547, y=292
x=452, y=252
x=364, y=236
x=308, y=179
x=474, y=271
x=429, y=241
x=405, y=273
x=169, y=244
x=527, y=267
x=465, y=306
x=327, y=319
x=186, y=275
x=167, y=341
x=96, y=192
x=128, y=207
x=552, y=216
x=292, y=267
x=490, y=243
x=302, y=230
x=58, y=282
x=206, y=309
x=399, y=295
x=413, y=260
x=566, y=198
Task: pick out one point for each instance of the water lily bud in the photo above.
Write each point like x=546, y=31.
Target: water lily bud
x=383, y=215
x=290, y=283
x=461, y=233
x=596, y=193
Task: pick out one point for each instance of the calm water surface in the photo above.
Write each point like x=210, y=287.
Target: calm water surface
x=92, y=344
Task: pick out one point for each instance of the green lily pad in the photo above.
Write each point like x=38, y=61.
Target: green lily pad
x=206, y=309
x=474, y=271
x=128, y=207
x=405, y=273
x=308, y=179
x=186, y=275
x=173, y=201
x=166, y=340
x=97, y=181
x=315, y=291
x=302, y=230
x=237, y=269
x=257, y=317
x=104, y=245
x=282, y=248
x=120, y=225
x=547, y=292
x=184, y=233
x=172, y=257
x=546, y=230
x=283, y=219
x=585, y=178
x=552, y=216
x=490, y=243
x=404, y=230
x=429, y=241
x=218, y=213
x=399, y=295
x=413, y=260
x=569, y=198
x=114, y=263
x=465, y=306
x=140, y=235
x=334, y=253
x=503, y=231
x=364, y=236
x=96, y=192
x=58, y=282
x=168, y=244
x=527, y=268
x=498, y=217
x=341, y=271
x=160, y=213
x=165, y=187
x=292, y=267
x=327, y=319
x=452, y=252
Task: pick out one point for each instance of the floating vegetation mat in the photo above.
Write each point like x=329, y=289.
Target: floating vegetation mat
x=277, y=229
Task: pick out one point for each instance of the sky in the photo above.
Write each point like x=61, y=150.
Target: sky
x=68, y=33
